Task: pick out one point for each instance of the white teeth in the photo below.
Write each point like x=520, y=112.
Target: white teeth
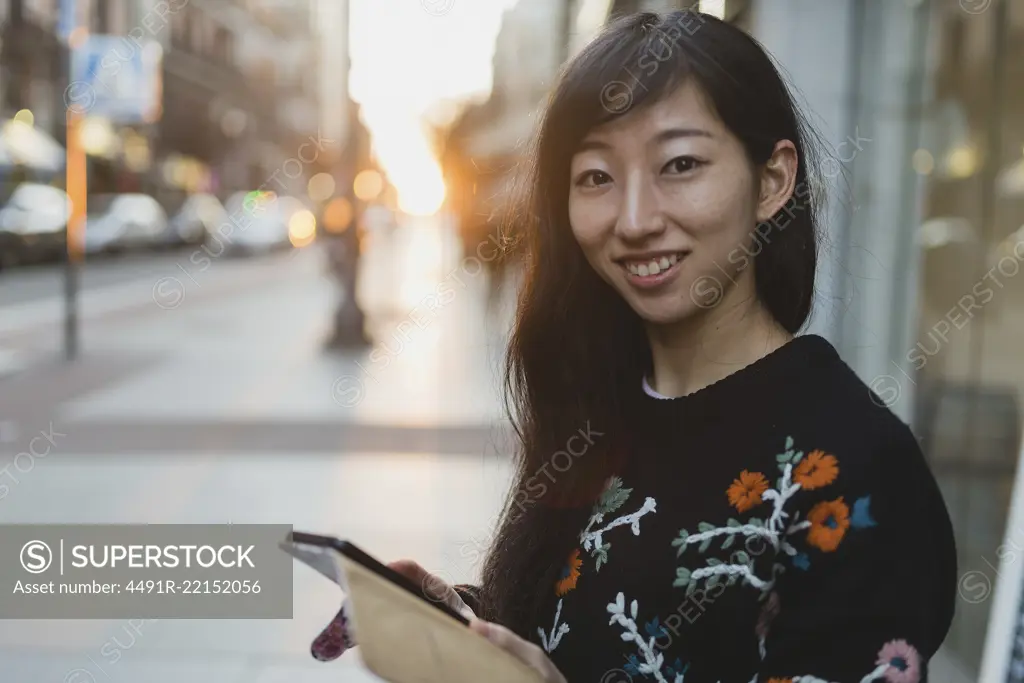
x=653, y=267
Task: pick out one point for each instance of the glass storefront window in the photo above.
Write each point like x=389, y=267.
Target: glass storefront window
x=969, y=350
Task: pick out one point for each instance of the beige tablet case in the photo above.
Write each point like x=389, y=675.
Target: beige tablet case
x=403, y=639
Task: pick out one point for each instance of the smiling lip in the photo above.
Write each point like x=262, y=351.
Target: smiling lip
x=652, y=280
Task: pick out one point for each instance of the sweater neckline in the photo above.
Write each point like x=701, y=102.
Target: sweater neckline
x=754, y=380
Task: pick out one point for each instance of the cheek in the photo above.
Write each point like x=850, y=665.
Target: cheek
x=720, y=215
x=589, y=219
x=730, y=237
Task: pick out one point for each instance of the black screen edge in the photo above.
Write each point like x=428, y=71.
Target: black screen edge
x=354, y=553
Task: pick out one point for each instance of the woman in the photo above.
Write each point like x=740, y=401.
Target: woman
x=701, y=495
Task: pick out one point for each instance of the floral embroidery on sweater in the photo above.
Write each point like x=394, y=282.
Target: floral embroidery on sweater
x=826, y=525
x=611, y=500
x=898, y=662
x=650, y=661
x=557, y=631
x=570, y=574
x=745, y=492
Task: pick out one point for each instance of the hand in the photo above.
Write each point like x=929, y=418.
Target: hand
x=338, y=637
x=432, y=586
x=525, y=651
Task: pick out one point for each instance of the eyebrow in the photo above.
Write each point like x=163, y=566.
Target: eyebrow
x=662, y=137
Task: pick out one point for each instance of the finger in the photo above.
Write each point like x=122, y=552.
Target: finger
x=409, y=569
x=459, y=605
x=527, y=652
x=334, y=640
x=455, y=601
x=505, y=639
x=480, y=627
x=433, y=586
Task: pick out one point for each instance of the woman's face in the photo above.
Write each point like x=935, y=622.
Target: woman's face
x=664, y=203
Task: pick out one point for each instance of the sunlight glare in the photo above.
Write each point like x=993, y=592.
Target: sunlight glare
x=407, y=66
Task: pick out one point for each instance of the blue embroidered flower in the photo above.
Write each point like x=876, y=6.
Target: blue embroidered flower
x=677, y=668
x=801, y=561
x=654, y=629
x=861, y=517
x=632, y=666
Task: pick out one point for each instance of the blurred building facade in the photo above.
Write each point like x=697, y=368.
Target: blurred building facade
x=921, y=111
x=30, y=68
x=486, y=143
x=249, y=68
x=241, y=85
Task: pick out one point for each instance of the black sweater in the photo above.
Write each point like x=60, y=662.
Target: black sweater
x=779, y=524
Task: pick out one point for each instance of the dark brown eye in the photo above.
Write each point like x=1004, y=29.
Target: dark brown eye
x=682, y=164
x=593, y=179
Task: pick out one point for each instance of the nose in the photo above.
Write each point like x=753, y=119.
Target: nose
x=640, y=215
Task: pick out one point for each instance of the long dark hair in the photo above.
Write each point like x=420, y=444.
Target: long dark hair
x=577, y=351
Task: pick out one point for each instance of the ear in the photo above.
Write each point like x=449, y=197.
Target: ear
x=778, y=180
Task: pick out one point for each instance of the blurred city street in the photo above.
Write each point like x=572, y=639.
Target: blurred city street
x=226, y=408
x=254, y=187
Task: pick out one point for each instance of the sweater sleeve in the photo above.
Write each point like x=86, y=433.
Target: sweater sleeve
x=868, y=580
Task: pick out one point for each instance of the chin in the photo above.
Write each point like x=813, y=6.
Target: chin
x=670, y=308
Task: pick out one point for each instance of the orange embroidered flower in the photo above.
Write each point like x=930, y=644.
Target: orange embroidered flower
x=570, y=573
x=816, y=470
x=780, y=680
x=829, y=521
x=746, y=491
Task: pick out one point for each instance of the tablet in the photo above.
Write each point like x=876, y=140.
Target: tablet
x=404, y=636
x=322, y=552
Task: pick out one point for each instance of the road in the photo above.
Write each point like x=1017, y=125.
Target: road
x=219, y=405
x=28, y=284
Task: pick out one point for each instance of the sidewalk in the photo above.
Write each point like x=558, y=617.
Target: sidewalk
x=10, y=362
x=431, y=508
x=255, y=354
x=227, y=409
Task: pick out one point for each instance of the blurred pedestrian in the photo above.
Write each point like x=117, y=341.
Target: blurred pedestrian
x=700, y=493
x=343, y=251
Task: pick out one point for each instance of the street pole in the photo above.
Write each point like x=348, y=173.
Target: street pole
x=349, y=318
x=76, y=182
x=77, y=190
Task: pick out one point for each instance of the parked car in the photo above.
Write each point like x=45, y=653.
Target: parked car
x=198, y=217
x=264, y=224
x=33, y=224
x=119, y=222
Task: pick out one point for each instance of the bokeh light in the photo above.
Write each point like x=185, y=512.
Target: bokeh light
x=25, y=116
x=338, y=215
x=923, y=162
x=98, y=137
x=302, y=228
x=368, y=185
x=321, y=187
x=963, y=161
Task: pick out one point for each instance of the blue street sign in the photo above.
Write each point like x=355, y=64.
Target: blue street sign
x=68, y=19
x=117, y=78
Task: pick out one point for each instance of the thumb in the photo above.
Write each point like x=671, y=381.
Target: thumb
x=525, y=651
